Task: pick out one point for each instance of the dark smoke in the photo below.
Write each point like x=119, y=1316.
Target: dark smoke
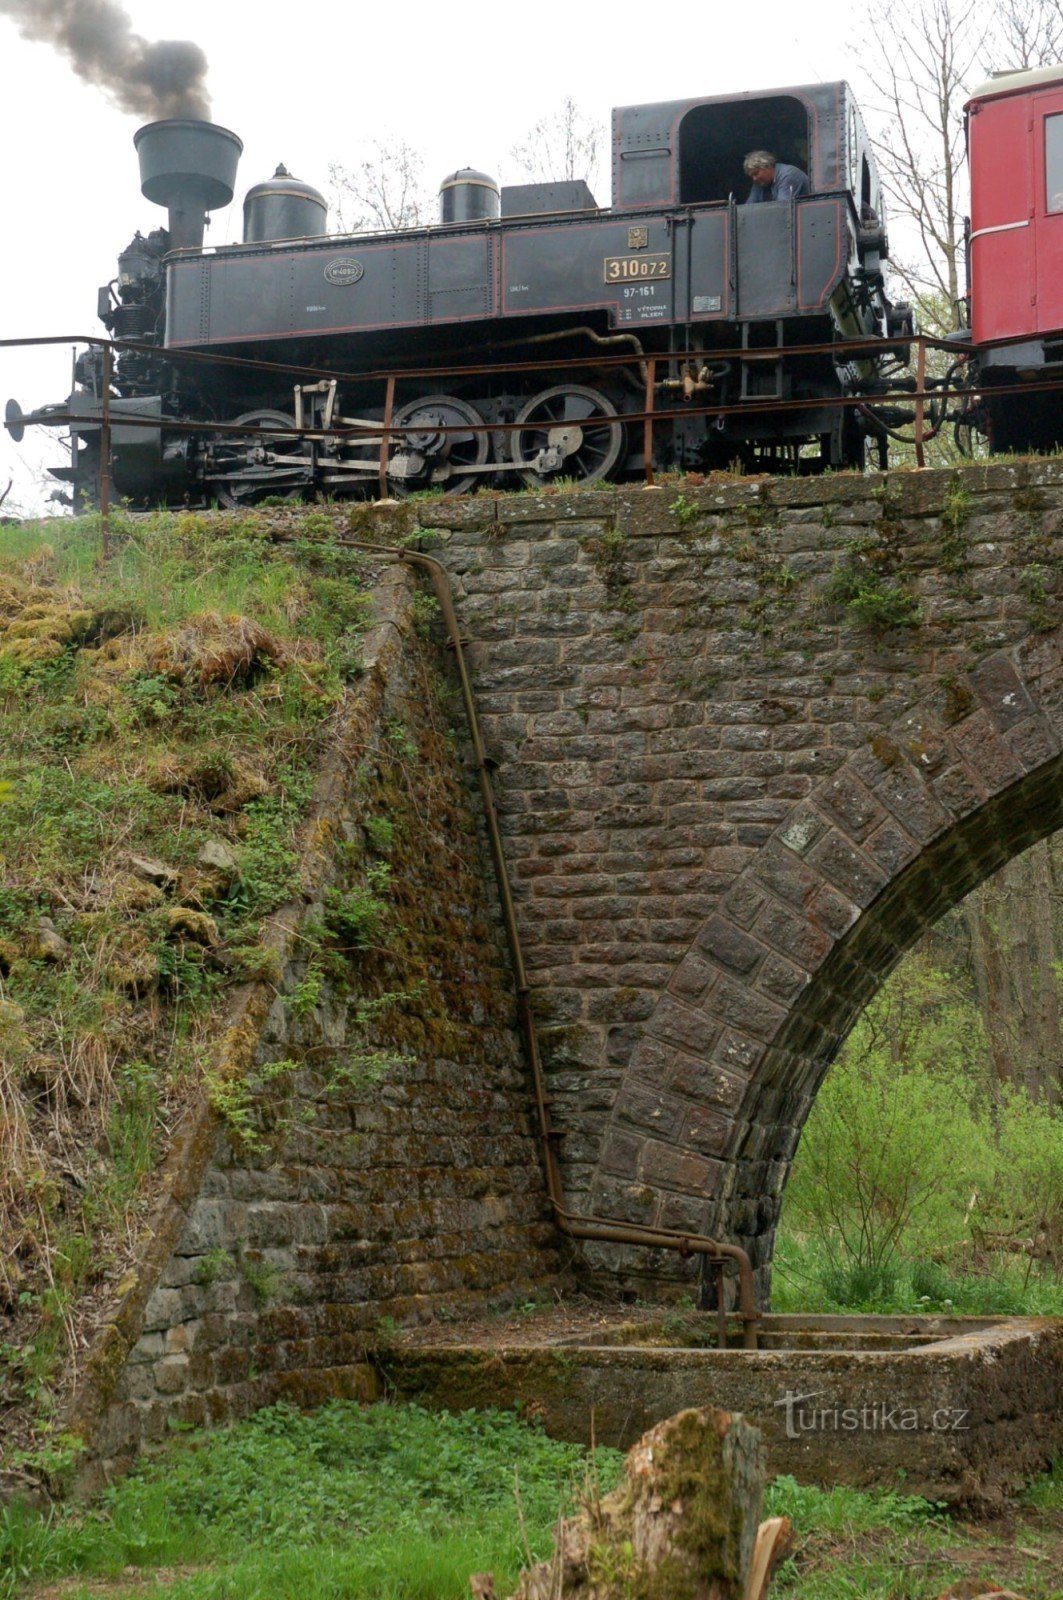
x=151, y=79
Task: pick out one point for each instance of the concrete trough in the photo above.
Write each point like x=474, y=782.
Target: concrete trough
x=962, y=1410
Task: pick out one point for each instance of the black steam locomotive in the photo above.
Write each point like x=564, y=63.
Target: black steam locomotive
x=533, y=286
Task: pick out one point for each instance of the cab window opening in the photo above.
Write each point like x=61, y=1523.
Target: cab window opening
x=715, y=139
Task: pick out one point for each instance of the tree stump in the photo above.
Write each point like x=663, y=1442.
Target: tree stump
x=681, y=1526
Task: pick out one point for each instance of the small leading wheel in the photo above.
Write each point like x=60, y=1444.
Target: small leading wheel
x=427, y=455
x=245, y=470
x=564, y=432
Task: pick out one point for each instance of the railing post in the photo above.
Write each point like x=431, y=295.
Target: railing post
x=647, y=426
x=920, y=400
x=105, y=453
x=385, y=438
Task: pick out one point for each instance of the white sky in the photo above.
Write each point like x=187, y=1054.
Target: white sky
x=311, y=83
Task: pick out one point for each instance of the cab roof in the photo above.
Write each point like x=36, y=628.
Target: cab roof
x=1004, y=83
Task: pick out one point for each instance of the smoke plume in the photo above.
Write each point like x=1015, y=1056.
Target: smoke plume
x=150, y=79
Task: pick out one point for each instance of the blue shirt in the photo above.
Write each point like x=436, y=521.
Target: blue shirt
x=789, y=183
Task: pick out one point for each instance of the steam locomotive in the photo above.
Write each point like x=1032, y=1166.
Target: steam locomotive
x=527, y=291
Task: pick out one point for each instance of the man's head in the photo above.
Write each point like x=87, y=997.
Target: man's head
x=760, y=166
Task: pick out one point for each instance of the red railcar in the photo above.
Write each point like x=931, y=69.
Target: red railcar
x=1015, y=255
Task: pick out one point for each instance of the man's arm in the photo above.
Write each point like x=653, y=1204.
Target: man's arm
x=791, y=184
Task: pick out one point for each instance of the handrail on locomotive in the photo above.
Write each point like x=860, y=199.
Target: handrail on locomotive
x=317, y=421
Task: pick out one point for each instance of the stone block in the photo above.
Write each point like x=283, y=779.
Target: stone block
x=985, y=752
x=1033, y=742
x=679, y=1024
x=743, y=1008
x=708, y=1132
x=171, y=1374
x=717, y=1082
x=732, y=949
x=847, y=868
x=163, y=1310
x=620, y=1153
x=692, y=978
x=684, y=1170
x=651, y=1112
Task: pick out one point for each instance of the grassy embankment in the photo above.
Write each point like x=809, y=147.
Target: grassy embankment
x=161, y=717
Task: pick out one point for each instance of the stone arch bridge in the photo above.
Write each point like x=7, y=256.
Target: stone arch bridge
x=751, y=739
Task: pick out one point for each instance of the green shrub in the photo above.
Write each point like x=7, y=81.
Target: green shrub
x=886, y=1164
x=1025, y=1200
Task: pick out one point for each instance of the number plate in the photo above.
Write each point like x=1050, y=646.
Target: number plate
x=636, y=269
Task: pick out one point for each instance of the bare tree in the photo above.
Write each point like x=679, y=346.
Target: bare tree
x=1029, y=33
x=563, y=145
x=919, y=84
x=385, y=191
x=1012, y=927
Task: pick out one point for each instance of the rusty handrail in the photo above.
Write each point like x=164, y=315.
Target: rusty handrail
x=648, y=364
x=609, y=1230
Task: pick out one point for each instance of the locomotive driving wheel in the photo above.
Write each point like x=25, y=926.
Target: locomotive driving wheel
x=244, y=470
x=428, y=455
x=565, y=432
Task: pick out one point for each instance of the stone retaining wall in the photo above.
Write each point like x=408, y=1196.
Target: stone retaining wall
x=392, y=1171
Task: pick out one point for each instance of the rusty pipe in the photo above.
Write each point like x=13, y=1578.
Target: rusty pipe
x=607, y=1230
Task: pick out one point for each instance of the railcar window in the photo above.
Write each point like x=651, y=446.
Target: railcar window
x=1054, y=163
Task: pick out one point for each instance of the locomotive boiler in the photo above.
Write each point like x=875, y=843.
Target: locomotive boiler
x=529, y=290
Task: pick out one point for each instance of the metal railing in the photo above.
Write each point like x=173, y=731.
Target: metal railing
x=920, y=395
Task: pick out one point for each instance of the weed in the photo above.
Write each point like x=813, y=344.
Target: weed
x=214, y=1265
x=952, y=553
x=400, y=739
x=353, y=916
x=380, y=832
x=425, y=614
x=262, y=1278
x=241, y=1103
x=878, y=602
x=685, y=511
x=1034, y=581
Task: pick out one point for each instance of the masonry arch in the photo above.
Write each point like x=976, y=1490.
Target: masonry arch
x=738, y=1046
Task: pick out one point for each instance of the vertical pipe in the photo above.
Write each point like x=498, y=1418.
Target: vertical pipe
x=721, y=1308
x=385, y=438
x=105, y=454
x=647, y=426
x=920, y=401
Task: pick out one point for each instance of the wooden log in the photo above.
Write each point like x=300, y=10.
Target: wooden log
x=773, y=1543
x=681, y=1526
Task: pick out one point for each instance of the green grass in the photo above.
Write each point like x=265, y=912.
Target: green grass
x=854, y=1545
x=392, y=1502
x=806, y=1278
x=380, y=1501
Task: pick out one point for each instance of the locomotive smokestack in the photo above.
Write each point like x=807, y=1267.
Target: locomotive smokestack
x=150, y=78
x=189, y=167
